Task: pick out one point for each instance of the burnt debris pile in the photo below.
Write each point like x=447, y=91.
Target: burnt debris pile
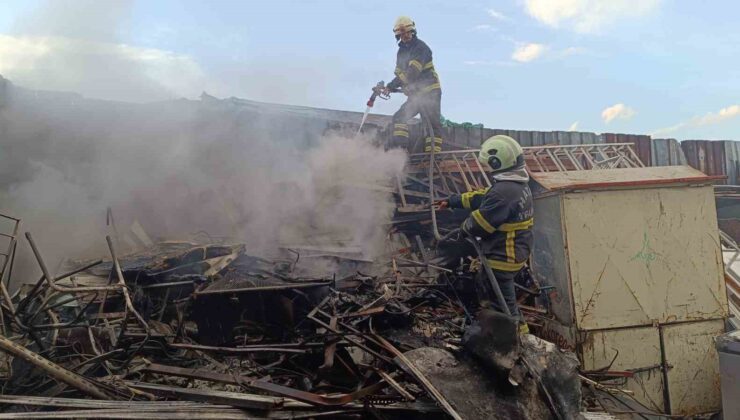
x=205, y=330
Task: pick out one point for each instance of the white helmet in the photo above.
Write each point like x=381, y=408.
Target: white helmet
x=501, y=153
x=403, y=24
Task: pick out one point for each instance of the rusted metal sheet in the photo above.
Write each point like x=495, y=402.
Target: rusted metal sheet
x=732, y=161
x=667, y=152
x=628, y=349
x=644, y=256
x=524, y=138
x=705, y=155
x=642, y=143
x=693, y=379
x=474, y=136
x=538, y=138
x=621, y=177
x=486, y=133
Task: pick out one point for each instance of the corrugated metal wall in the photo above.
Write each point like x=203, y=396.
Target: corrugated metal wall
x=460, y=136
x=705, y=155
x=541, y=138
x=710, y=156
x=667, y=152
x=732, y=161
x=714, y=157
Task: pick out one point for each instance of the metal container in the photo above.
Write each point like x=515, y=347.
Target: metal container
x=728, y=347
x=681, y=355
x=635, y=261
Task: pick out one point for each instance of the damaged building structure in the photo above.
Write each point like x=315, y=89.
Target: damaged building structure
x=630, y=284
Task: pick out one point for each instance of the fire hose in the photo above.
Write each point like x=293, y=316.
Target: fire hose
x=493, y=283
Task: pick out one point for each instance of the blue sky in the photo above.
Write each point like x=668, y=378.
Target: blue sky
x=667, y=67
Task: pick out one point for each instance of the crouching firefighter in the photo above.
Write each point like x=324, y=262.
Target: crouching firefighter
x=415, y=74
x=502, y=216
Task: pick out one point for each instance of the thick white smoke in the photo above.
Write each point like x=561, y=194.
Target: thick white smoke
x=177, y=167
x=187, y=166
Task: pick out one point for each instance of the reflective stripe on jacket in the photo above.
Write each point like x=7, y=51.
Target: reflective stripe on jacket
x=502, y=216
x=414, y=68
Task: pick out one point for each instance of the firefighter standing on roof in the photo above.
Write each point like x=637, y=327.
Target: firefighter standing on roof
x=416, y=75
x=502, y=215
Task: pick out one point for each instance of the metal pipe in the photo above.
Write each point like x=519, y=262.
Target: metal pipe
x=55, y=371
x=126, y=296
x=69, y=324
x=435, y=231
x=9, y=258
x=9, y=261
x=49, y=277
x=24, y=301
x=482, y=171
x=168, y=285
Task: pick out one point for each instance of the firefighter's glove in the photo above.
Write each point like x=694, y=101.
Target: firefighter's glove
x=441, y=204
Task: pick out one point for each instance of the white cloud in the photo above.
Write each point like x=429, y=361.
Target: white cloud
x=505, y=63
x=496, y=15
x=588, y=16
x=731, y=111
x=573, y=127
x=617, y=111
x=482, y=28
x=710, y=118
x=528, y=52
x=99, y=69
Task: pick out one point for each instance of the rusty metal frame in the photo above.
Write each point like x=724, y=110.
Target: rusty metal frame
x=581, y=157
x=732, y=278
x=8, y=260
x=313, y=316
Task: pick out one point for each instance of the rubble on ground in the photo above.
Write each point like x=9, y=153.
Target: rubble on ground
x=205, y=329
x=184, y=328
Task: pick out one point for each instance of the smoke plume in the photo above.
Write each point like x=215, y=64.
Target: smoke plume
x=182, y=167
x=258, y=175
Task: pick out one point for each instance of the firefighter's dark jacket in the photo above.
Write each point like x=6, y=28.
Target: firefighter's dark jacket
x=414, y=68
x=502, y=216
